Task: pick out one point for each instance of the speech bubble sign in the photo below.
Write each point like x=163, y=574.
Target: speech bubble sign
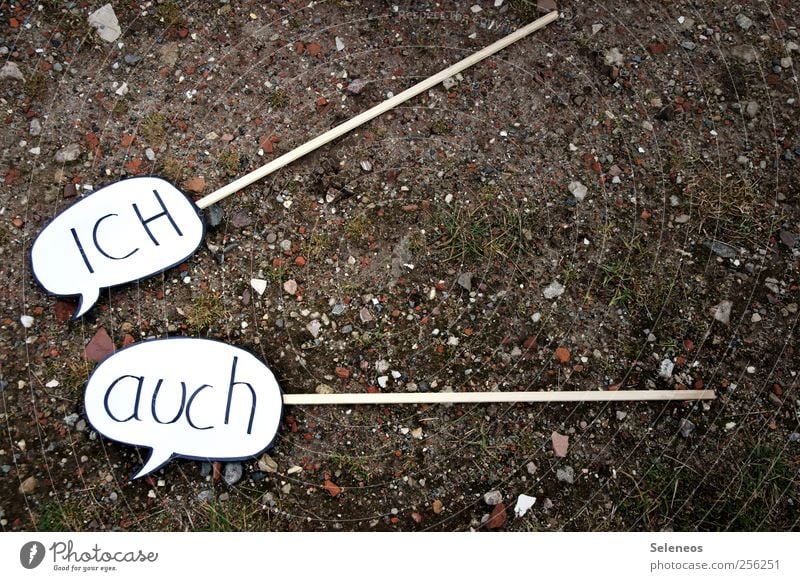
x=128, y=230
x=185, y=397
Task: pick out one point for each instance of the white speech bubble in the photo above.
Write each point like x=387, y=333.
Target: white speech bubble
x=123, y=232
x=185, y=397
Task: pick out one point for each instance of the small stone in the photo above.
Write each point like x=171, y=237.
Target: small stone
x=682, y=218
x=743, y=22
x=105, y=21
x=290, y=286
x=27, y=321
x=241, y=219
x=365, y=315
x=381, y=366
x=342, y=372
x=214, y=215
x=464, y=280
x=686, y=427
x=338, y=309
x=621, y=415
x=722, y=312
x=578, y=190
x=232, y=473
x=71, y=420
x=29, y=485
x=323, y=389
x=383, y=381
x=366, y=165
x=531, y=468
x=553, y=290
x=339, y=44
x=745, y=53
x=150, y=154
x=493, y=497
x=267, y=464
x=665, y=368
x=720, y=248
x=596, y=28
x=449, y=83
x=286, y=245
x=35, y=127
x=131, y=59
x=294, y=470
x=613, y=57
x=438, y=506
x=755, y=318
x=11, y=71
x=498, y=517
x=547, y=5
x=168, y=53
x=562, y=354
x=560, y=444
x=69, y=153
x=100, y=346
x=205, y=495
x=566, y=474
x=356, y=86
x=688, y=45
x=331, y=488
x=476, y=8
x=259, y=285
x=751, y=109
x=417, y=433
x=788, y=238
x=524, y=504
x=195, y=184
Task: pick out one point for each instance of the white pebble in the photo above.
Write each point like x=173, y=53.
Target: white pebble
x=553, y=290
x=27, y=321
x=259, y=285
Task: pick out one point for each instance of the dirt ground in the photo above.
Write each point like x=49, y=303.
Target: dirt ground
x=611, y=203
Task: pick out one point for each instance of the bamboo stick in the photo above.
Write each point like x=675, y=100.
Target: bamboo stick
x=495, y=397
x=369, y=114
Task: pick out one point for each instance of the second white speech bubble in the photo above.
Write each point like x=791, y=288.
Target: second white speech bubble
x=185, y=397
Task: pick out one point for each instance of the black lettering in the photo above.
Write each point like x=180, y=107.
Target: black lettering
x=100, y=248
x=155, y=217
x=230, y=396
x=82, y=251
x=180, y=409
x=135, y=414
x=189, y=408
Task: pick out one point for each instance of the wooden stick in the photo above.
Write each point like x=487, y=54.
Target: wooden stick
x=494, y=397
x=369, y=114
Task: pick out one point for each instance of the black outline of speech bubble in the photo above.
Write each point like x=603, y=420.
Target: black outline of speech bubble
x=200, y=213
x=176, y=455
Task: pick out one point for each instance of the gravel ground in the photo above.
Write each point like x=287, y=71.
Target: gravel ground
x=610, y=204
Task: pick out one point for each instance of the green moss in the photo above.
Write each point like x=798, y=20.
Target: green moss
x=358, y=227
x=204, y=312
x=35, y=86
x=154, y=128
x=172, y=170
x=279, y=99
x=170, y=12
x=229, y=161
